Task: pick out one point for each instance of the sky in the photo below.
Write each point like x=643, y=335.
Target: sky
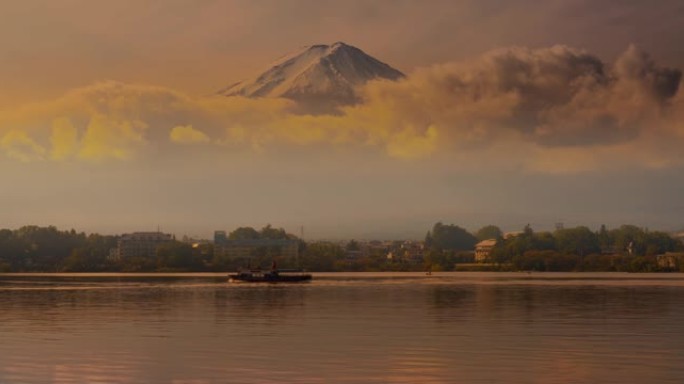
x=512, y=112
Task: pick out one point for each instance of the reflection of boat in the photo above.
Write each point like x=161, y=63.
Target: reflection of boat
x=270, y=276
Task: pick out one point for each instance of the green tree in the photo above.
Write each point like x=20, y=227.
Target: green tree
x=269, y=232
x=436, y=260
x=322, y=257
x=244, y=233
x=93, y=254
x=177, y=256
x=499, y=255
x=11, y=250
x=548, y=260
x=527, y=231
x=489, y=232
x=45, y=248
x=531, y=260
x=579, y=241
x=353, y=245
x=5, y=266
x=517, y=246
x=604, y=263
x=452, y=237
x=643, y=264
x=629, y=239
x=78, y=261
x=428, y=240
x=658, y=243
x=604, y=238
x=542, y=241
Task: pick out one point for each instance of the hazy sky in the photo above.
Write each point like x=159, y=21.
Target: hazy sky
x=513, y=112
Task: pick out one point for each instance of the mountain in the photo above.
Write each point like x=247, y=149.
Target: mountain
x=318, y=77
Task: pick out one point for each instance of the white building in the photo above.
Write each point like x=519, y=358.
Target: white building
x=483, y=249
x=670, y=260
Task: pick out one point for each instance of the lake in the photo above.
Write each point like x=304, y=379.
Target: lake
x=343, y=328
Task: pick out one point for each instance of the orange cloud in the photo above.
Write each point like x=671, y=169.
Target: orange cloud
x=186, y=134
x=545, y=110
x=18, y=145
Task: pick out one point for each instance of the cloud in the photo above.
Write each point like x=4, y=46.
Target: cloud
x=19, y=146
x=64, y=139
x=555, y=96
x=102, y=137
x=555, y=109
x=186, y=134
x=109, y=137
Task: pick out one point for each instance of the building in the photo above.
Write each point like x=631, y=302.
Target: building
x=140, y=244
x=672, y=261
x=407, y=251
x=483, y=249
x=679, y=236
x=220, y=236
x=510, y=235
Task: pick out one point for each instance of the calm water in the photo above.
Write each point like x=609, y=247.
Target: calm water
x=344, y=328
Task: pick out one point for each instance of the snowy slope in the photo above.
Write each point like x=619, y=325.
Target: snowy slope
x=318, y=75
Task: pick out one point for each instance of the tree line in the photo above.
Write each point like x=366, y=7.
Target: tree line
x=446, y=247
x=626, y=248
x=48, y=249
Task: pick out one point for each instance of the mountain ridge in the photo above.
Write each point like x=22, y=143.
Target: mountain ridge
x=319, y=77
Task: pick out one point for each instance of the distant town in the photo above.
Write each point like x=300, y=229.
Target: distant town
x=446, y=247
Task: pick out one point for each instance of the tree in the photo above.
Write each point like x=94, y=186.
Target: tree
x=548, y=260
x=244, y=233
x=489, y=232
x=352, y=245
x=499, y=254
x=97, y=249
x=438, y=261
x=321, y=256
x=604, y=238
x=428, y=239
x=542, y=241
x=452, y=237
x=5, y=266
x=658, y=243
x=178, y=256
x=527, y=231
x=531, y=261
x=629, y=239
x=578, y=241
x=269, y=232
x=44, y=248
x=78, y=261
x=517, y=246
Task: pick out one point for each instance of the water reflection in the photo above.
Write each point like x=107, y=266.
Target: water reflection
x=255, y=306
x=353, y=329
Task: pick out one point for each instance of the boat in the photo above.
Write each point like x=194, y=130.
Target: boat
x=270, y=276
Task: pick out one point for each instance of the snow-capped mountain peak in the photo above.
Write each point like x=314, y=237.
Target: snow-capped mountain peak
x=316, y=76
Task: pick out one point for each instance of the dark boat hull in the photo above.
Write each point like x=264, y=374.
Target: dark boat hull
x=268, y=277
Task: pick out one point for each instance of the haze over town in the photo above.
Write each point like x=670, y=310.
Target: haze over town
x=111, y=118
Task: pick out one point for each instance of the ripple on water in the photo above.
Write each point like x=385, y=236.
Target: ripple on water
x=350, y=328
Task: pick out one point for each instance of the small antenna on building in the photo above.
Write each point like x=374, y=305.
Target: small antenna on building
x=301, y=232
